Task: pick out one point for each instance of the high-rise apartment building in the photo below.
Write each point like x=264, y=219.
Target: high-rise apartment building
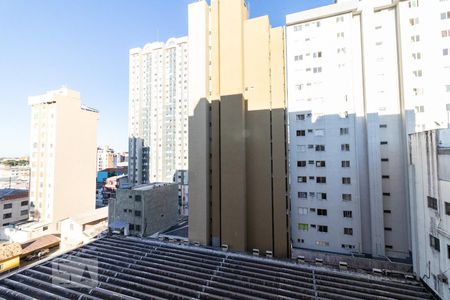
x=63, y=156
x=349, y=92
x=158, y=108
x=429, y=174
x=237, y=140
x=106, y=158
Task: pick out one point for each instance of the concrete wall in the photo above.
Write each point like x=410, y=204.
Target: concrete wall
x=158, y=208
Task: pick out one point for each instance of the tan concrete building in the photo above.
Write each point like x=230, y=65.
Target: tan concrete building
x=63, y=157
x=237, y=132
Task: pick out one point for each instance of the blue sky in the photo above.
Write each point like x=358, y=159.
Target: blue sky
x=84, y=45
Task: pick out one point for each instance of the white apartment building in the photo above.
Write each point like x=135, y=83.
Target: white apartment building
x=14, y=206
x=429, y=171
x=62, y=158
x=106, y=158
x=348, y=121
x=158, y=111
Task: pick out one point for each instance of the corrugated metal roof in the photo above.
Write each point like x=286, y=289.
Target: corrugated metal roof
x=130, y=268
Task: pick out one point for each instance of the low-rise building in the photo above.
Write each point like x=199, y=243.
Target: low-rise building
x=14, y=206
x=429, y=178
x=147, y=208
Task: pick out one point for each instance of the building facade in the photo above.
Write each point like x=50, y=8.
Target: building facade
x=347, y=126
x=63, y=156
x=429, y=174
x=14, y=206
x=237, y=144
x=158, y=100
x=106, y=158
x=146, y=209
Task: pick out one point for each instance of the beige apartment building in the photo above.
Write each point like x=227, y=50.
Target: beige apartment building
x=63, y=157
x=237, y=130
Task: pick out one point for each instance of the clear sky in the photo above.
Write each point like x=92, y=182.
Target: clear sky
x=83, y=44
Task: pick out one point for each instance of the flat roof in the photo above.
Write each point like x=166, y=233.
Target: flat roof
x=118, y=267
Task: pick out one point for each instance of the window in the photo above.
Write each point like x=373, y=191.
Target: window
x=387, y=211
x=7, y=216
x=383, y=143
x=44, y=228
x=322, y=243
x=321, y=212
x=448, y=251
x=345, y=147
x=385, y=159
x=417, y=56
x=321, y=179
x=445, y=52
x=387, y=194
x=347, y=197
x=348, y=246
x=131, y=226
x=320, y=148
x=344, y=131
x=348, y=231
x=322, y=228
x=7, y=205
x=311, y=162
x=447, y=208
x=388, y=228
x=413, y=21
x=23, y=203
x=385, y=176
x=303, y=227
x=388, y=246
x=300, y=117
x=346, y=180
x=319, y=132
x=413, y=3
x=339, y=19
x=302, y=195
x=302, y=210
x=301, y=179
x=347, y=213
x=432, y=202
x=445, y=33
x=445, y=15
x=322, y=196
x=320, y=163
x=298, y=57
x=310, y=146
x=345, y=164
x=317, y=70
x=138, y=227
x=24, y=212
x=137, y=198
x=137, y=213
x=301, y=163
x=415, y=38
x=418, y=73
x=383, y=126
x=301, y=133
x=434, y=243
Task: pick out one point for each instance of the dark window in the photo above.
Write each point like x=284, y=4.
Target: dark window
x=447, y=208
x=322, y=228
x=347, y=197
x=131, y=226
x=385, y=176
x=448, y=249
x=7, y=205
x=344, y=131
x=346, y=180
x=320, y=147
x=345, y=164
x=303, y=195
x=386, y=194
x=434, y=243
x=23, y=203
x=388, y=246
x=387, y=211
x=388, y=228
x=347, y=213
x=322, y=196
x=138, y=227
x=44, y=228
x=137, y=198
x=301, y=163
x=301, y=179
x=321, y=179
x=7, y=216
x=321, y=212
x=311, y=162
x=24, y=212
x=311, y=177
x=300, y=133
x=383, y=143
x=348, y=231
x=137, y=213
x=385, y=159
x=345, y=147
x=383, y=126
x=432, y=202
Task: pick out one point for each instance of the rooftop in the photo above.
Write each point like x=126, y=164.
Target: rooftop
x=150, y=186
x=118, y=267
x=10, y=194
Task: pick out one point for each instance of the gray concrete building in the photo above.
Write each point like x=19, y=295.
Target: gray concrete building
x=429, y=175
x=147, y=208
